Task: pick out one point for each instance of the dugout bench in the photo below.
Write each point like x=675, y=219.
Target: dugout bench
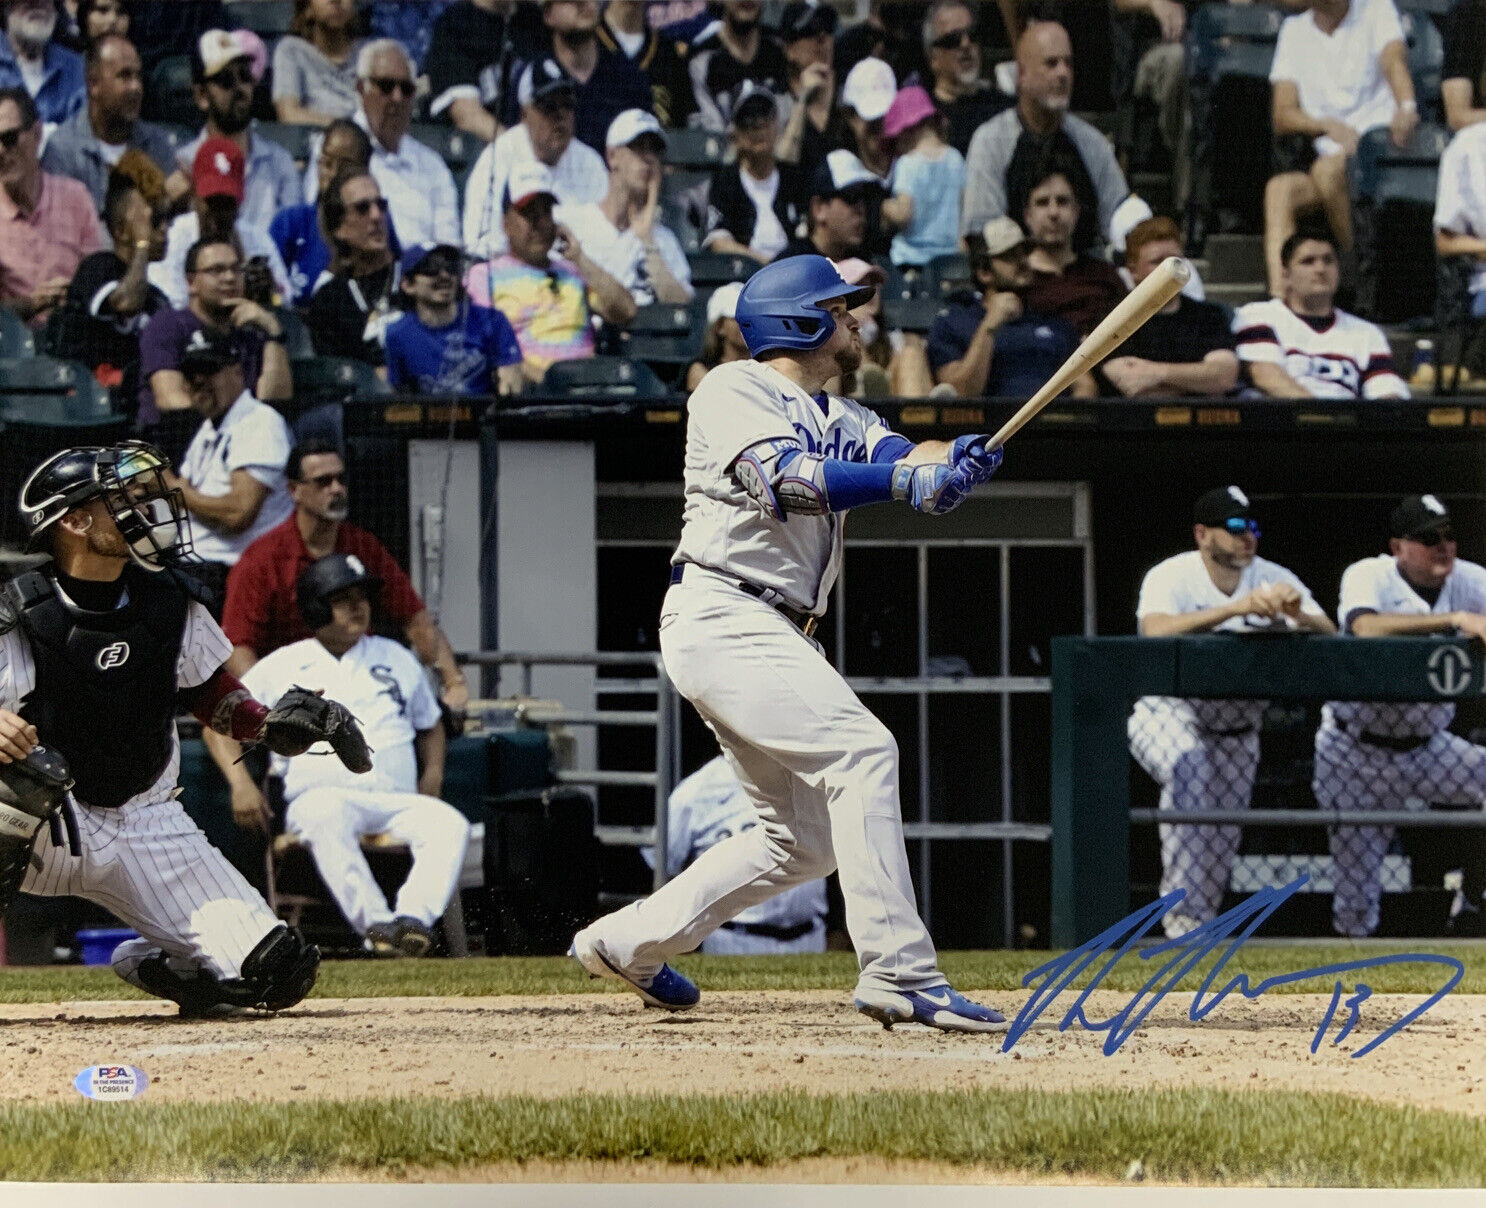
x=1095, y=682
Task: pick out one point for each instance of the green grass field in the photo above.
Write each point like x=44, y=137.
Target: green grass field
x=1000, y=972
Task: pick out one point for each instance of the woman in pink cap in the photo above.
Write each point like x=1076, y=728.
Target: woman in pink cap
x=927, y=181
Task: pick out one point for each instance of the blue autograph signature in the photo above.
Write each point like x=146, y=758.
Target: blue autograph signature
x=1051, y=979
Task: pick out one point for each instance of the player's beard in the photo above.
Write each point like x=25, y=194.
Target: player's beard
x=849, y=359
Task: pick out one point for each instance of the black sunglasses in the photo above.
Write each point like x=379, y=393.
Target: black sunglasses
x=234, y=75
x=9, y=138
x=1434, y=536
x=386, y=85
x=434, y=265
x=324, y=480
x=1238, y=525
x=953, y=41
x=367, y=204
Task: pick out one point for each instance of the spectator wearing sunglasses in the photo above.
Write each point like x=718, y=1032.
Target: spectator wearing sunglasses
x=546, y=284
x=960, y=93
x=262, y=611
x=226, y=68
x=1204, y=753
x=444, y=344
x=1373, y=756
x=1300, y=345
x=351, y=310
x=415, y=180
x=48, y=224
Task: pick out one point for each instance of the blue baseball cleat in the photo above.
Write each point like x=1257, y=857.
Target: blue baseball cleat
x=937, y=1007
x=667, y=989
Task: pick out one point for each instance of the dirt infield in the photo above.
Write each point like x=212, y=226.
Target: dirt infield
x=733, y=1043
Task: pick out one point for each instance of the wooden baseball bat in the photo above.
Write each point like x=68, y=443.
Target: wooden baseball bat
x=1164, y=283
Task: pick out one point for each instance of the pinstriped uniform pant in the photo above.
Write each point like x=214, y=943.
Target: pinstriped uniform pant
x=150, y=865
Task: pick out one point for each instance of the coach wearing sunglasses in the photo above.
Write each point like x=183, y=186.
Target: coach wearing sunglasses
x=1204, y=753
x=414, y=178
x=1372, y=756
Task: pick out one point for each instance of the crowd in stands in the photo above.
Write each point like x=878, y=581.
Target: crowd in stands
x=459, y=195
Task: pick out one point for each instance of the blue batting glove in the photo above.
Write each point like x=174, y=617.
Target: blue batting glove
x=932, y=488
x=972, y=451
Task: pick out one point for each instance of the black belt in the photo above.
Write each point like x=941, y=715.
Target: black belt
x=771, y=932
x=805, y=622
x=1402, y=745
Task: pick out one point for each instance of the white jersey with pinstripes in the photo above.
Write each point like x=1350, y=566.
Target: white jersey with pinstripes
x=204, y=648
x=738, y=405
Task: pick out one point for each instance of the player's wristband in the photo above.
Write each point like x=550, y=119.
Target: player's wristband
x=850, y=484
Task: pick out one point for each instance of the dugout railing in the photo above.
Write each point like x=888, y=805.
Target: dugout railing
x=1096, y=684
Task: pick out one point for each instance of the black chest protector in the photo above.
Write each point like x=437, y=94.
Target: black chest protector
x=105, y=694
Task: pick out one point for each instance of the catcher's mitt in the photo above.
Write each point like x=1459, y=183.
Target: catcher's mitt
x=31, y=792
x=302, y=718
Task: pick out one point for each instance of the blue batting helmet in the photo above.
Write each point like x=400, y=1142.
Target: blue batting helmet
x=781, y=305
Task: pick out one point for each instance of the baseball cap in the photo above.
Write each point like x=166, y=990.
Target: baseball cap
x=1418, y=514
x=544, y=83
x=1128, y=215
x=218, y=47
x=413, y=258
x=800, y=20
x=208, y=351
x=841, y=172
x=910, y=106
x=1002, y=235
x=218, y=169
x=723, y=304
x=869, y=89
x=856, y=271
x=529, y=178
x=633, y=124
x=1221, y=504
x=757, y=104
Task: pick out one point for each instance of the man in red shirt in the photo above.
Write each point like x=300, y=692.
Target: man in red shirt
x=262, y=612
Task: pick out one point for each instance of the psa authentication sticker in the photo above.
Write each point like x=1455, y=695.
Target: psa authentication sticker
x=111, y=1082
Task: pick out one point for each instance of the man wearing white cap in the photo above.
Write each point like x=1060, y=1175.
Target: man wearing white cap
x=226, y=68
x=621, y=232
x=548, y=99
x=546, y=297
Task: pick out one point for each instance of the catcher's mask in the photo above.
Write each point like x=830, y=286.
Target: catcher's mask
x=129, y=478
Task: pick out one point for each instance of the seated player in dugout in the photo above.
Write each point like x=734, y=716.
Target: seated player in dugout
x=100, y=649
x=1205, y=753
x=328, y=807
x=262, y=610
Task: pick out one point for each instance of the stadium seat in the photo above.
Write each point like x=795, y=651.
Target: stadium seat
x=1393, y=197
x=695, y=149
x=297, y=342
x=294, y=139
x=319, y=380
x=910, y=314
x=711, y=268
x=665, y=335
x=598, y=377
x=948, y=273
x=900, y=284
x=456, y=148
x=43, y=390
x=1426, y=50
x=269, y=19
x=167, y=95
x=1232, y=40
x=16, y=339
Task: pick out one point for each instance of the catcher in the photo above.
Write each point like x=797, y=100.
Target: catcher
x=99, y=650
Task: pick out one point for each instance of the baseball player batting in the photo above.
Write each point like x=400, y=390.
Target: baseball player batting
x=772, y=466
x=99, y=649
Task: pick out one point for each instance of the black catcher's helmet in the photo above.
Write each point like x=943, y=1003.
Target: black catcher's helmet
x=324, y=577
x=129, y=478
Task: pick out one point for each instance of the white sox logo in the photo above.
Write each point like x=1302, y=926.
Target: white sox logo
x=116, y=654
